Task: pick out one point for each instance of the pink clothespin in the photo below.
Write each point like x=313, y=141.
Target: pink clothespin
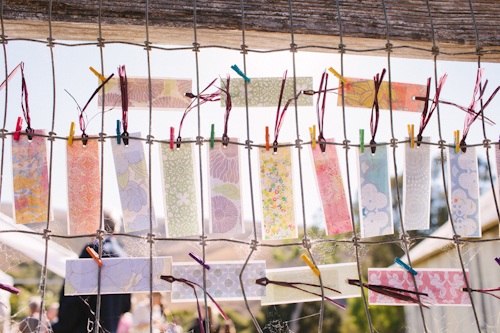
x=19, y=126
x=171, y=138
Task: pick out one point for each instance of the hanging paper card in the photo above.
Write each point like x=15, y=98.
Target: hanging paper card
x=497, y=152
x=31, y=179
x=226, y=214
x=360, y=93
x=442, y=286
x=223, y=280
x=84, y=187
x=464, y=192
x=263, y=91
x=334, y=276
x=417, y=186
x=276, y=175
x=375, y=205
x=133, y=184
x=167, y=94
x=180, y=190
x=118, y=275
x=331, y=189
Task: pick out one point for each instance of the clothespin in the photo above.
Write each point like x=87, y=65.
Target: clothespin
x=118, y=131
x=19, y=126
x=240, y=73
x=99, y=75
x=497, y=260
x=84, y=142
x=362, y=140
x=334, y=72
x=267, y=137
x=313, y=140
x=125, y=138
x=457, y=141
x=212, y=134
x=71, y=133
x=405, y=266
x=411, y=135
x=171, y=138
x=10, y=289
x=310, y=264
x=199, y=260
x=94, y=255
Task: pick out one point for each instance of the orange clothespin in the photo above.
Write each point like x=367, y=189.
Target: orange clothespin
x=310, y=264
x=94, y=255
x=457, y=141
x=171, y=138
x=71, y=133
x=99, y=75
x=19, y=126
x=267, y=137
x=411, y=135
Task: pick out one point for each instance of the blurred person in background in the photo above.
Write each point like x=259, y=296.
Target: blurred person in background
x=53, y=313
x=77, y=313
x=30, y=323
x=141, y=314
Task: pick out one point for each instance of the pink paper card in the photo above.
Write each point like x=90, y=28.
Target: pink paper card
x=331, y=189
x=31, y=179
x=226, y=215
x=441, y=285
x=84, y=187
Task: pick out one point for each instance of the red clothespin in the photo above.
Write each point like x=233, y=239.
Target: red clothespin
x=171, y=138
x=19, y=126
x=94, y=255
x=267, y=137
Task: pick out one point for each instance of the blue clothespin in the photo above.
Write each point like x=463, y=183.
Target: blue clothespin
x=118, y=131
x=240, y=73
x=405, y=266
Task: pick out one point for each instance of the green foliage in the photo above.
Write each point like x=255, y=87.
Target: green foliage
x=388, y=319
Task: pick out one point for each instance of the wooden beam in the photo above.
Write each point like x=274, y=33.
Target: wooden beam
x=267, y=24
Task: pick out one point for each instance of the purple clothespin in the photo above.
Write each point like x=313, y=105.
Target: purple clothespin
x=199, y=260
x=497, y=260
x=11, y=289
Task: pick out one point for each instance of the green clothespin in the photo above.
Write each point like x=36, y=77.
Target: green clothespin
x=362, y=140
x=212, y=136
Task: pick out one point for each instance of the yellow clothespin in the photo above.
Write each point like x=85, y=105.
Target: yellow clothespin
x=313, y=137
x=411, y=135
x=99, y=75
x=71, y=133
x=334, y=72
x=310, y=264
x=457, y=141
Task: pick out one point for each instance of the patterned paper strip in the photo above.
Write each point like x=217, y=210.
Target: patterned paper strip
x=464, y=192
x=334, y=276
x=441, y=285
x=180, y=190
x=118, y=275
x=497, y=152
x=226, y=215
x=167, y=94
x=276, y=175
x=84, y=187
x=375, y=205
x=133, y=183
x=223, y=282
x=417, y=187
x=331, y=189
x=31, y=179
x=360, y=93
x=264, y=91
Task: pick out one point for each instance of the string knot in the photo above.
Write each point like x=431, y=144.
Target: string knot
x=102, y=137
x=196, y=47
x=150, y=139
x=355, y=241
x=479, y=50
x=298, y=143
x=388, y=47
x=100, y=42
x=244, y=49
x=441, y=144
x=394, y=143
x=346, y=144
x=50, y=41
x=248, y=144
x=148, y=45
x=293, y=47
x=199, y=140
x=100, y=234
x=341, y=48
x=254, y=244
x=486, y=143
x=405, y=238
x=52, y=136
x=46, y=234
x=203, y=241
x=2, y=133
x=306, y=243
x=435, y=50
x=4, y=40
x=151, y=238
x=456, y=239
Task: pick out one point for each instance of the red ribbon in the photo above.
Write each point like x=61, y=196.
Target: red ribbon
x=280, y=115
x=426, y=113
x=124, y=92
x=229, y=106
x=24, y=102
x=377, y=80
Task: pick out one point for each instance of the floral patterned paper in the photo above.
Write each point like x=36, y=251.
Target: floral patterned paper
x=265, y=91
x=331, y=189
x=167, y=94
x=463, y=188
x=417, y=186
x=375, y=205
x=360, y=93
x=133, y=184
x=84, y=187
x=180, y=192
x=226, y=214
x=277, y=194
x=31, y=179
x=333, y=275
x=223, y=280
x=441, y=285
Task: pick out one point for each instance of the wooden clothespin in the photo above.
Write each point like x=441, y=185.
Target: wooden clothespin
x=212, y=136
x=118, y=131
x=457, y=141
x=171, y=138
x=267, y=137
x=19, y=127
x=310, y=264
x=94, y=255
x=99, y=75
x=71, y=133
x=362, y=140
x=334, y=72
x=405, y=266
x=240, y=73
x=411, y=135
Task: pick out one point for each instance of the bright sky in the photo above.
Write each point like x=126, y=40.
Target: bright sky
x=73, y=74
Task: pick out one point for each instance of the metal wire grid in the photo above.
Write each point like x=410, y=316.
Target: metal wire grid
x=306, y=242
